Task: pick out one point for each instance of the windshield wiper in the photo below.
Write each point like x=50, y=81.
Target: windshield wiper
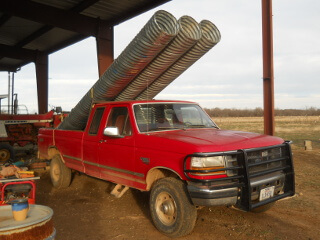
x=186, y=125
x=197, y=126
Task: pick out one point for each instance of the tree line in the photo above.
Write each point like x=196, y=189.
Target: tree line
x=258, y=112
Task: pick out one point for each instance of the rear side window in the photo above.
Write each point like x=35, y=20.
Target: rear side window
x=119, y=118
x=94, y=127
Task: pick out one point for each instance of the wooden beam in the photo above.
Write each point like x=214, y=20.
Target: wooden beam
x=76, y=9
x=42, y=82
x=8, y=68
x=66, y=43
x=34, y=35
x=4, y=18
x=17, y=53
x=52, y=16
x=83, y=5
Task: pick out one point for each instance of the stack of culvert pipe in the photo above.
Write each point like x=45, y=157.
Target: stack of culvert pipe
x=189, y=33
x=210, y=37
x=153, y=37
x=159, y=53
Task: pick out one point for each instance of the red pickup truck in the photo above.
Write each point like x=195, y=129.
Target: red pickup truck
x=174, y=150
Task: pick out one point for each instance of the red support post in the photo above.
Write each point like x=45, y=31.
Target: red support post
x=42, y=82
x=268, y=74
x=104, y=48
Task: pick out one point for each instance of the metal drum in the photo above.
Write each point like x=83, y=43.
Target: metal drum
x=37, y=226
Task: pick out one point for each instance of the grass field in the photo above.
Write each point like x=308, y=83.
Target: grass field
x=295, y=128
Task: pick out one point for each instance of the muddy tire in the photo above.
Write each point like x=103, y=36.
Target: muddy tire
x=263, y=208
x=172, y=212
x=6, y=153
x=59, y=173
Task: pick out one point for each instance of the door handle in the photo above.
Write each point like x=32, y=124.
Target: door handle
x=102, y=141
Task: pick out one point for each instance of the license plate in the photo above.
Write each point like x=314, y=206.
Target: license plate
x=266, y=193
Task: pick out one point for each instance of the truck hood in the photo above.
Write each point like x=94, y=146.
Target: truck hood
x=212, y=140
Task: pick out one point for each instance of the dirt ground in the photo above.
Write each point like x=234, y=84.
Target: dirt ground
x=86, y=210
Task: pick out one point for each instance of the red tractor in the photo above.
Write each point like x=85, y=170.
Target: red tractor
x=23, y=129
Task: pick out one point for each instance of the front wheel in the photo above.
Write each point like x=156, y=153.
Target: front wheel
x=171, y=210
x=60, y=174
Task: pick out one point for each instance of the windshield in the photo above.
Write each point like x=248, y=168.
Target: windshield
x=166, y=116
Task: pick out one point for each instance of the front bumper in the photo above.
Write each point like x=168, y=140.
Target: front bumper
x=210, y=196
x=228, y=195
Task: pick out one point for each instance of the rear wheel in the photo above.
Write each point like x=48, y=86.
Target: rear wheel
x=59, y=173
x=6, y=153
x=171, y=210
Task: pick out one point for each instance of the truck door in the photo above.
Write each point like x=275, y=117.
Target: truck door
x=91, y=144
x=116, y=154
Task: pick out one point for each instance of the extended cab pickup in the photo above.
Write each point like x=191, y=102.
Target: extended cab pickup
x=176, y=151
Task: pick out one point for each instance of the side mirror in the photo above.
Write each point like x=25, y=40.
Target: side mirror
x=58, y=109
x=112, y=132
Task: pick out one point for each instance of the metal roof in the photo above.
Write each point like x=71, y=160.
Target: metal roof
x=32, y=27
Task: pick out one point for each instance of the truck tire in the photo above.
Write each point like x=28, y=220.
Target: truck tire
x=59, y=173
x=6, y=153
x=172, y=212
x=263, y=208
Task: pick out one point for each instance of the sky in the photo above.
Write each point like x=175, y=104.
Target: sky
x=228, y=76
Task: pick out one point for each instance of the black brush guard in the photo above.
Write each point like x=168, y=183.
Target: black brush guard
x=243, y=178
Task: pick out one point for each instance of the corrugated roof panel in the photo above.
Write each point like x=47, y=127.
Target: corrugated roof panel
x=62, y=4
x=50, y=39
x=112, y=8
x=33, y=35
x=104, y=10
x=16, y=29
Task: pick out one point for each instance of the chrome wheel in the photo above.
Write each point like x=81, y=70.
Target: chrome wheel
x=171, y=210
x=166, y=208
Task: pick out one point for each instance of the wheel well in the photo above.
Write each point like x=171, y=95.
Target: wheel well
x=53, y=151
x=158, y=173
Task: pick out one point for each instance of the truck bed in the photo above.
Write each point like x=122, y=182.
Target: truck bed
x=67, y=142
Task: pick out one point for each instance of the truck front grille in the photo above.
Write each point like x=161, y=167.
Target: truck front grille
x=252, y=170
x=267, y=159
x=269, y=166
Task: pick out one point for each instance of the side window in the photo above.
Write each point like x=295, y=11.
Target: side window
x=119, y=118
x=94, y=127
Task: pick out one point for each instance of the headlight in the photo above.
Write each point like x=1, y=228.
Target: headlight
x=208, y=163
x=204, y=162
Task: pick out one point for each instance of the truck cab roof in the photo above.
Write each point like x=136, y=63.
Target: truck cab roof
x=132, y=102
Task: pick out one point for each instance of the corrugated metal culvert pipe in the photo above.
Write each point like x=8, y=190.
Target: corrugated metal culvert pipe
x=210, y=37
x=189, y=34
x=153, y=37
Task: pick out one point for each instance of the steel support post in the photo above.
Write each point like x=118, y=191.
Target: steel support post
x=42, y=82
x=104, y=48
x=9, y=81
x=268, y=74
x=12, y=92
